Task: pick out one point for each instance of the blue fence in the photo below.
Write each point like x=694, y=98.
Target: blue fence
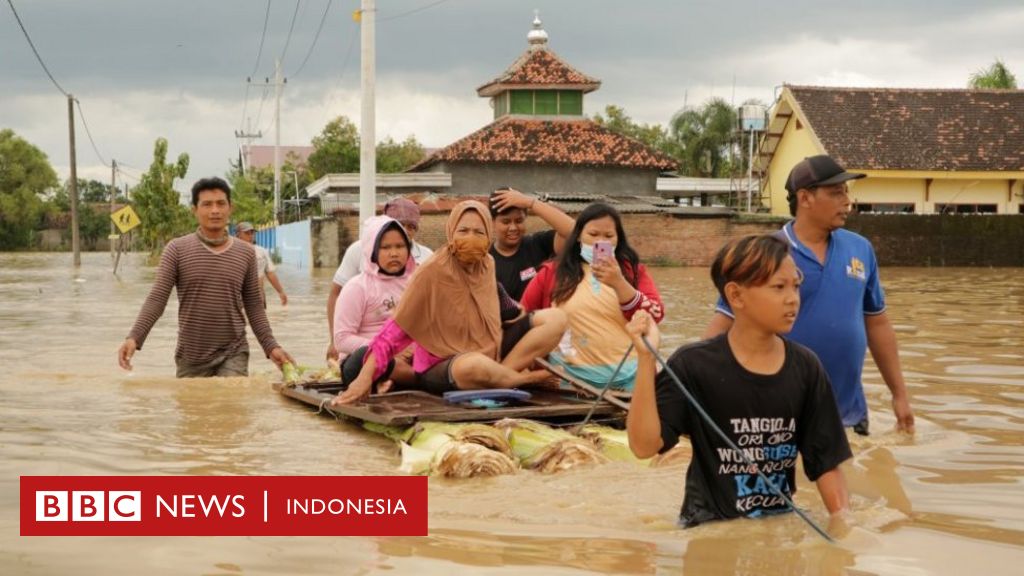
x=291, y=242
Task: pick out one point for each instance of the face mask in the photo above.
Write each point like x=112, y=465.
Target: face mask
x=471, y=250
x=587, y=252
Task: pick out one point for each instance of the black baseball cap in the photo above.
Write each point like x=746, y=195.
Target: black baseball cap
x=820, y=170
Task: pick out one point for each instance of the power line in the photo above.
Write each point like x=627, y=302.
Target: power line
x=259, y=113
x=291, y=28
x=34, y=51
x=315, y=38
x=255, y=67
x=89, y=133
x=263, y=36
x=344, y=64
x=413, y=11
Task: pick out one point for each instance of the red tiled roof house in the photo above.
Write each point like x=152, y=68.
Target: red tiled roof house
x=540, y=140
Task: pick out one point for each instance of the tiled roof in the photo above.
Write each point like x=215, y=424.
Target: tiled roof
x=565, y=142
x=539, y=68
x=917, y=129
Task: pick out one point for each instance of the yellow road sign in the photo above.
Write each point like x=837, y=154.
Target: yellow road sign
x=125, y=219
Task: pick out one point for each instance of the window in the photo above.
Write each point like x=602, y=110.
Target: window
x=966, y=208
x=570, y=102
x=500, y=105
x=884, y=208
x=522, y=102
x=545, y=102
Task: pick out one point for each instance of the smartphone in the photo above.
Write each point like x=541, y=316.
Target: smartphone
x=604, y=249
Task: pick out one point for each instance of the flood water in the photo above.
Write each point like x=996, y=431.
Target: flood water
x=949, y=501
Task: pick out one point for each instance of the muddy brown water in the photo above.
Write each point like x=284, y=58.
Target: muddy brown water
x=949, y=501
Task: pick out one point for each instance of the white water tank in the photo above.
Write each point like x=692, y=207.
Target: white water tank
x=753, y=117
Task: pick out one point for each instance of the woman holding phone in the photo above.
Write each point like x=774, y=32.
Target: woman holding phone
x=599, y=283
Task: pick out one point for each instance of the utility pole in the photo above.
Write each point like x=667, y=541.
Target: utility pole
x=113, y=195
x=77, y=256
x=367, y=128
x=277, y=137
x=248, y=136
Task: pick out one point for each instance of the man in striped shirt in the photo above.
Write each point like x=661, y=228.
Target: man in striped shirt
x=218, y=287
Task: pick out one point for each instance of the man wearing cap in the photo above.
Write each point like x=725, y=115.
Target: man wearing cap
x=408, y=215
x=842, y=304
x=264, y=264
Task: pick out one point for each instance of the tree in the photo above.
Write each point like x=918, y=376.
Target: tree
x=653, y=135
x=25, y=175
x=996, y=76
x=704, y=136
x=393, y=157
x=156, y=200
x=93, y=213
x=252, y=194
x=336, y=149
x=337, y=152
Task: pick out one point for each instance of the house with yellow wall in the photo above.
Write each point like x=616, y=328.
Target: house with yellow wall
x=925, y=151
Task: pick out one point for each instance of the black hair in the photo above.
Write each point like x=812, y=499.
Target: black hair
x=569, y=270
x=495, y=212
x=206, y=184
x=748, y=261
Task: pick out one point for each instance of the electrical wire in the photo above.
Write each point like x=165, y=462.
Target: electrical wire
x=255, y=68
x=88, y=133
x=33, y=46
x=413, y=11
x=291, y=28
x=309, y=53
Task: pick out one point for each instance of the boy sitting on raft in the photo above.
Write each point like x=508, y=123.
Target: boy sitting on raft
x=769, y=395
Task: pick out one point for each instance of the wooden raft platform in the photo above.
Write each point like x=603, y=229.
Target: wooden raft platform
x=408, y=407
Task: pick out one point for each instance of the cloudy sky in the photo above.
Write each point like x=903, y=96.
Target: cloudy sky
x=143, y=69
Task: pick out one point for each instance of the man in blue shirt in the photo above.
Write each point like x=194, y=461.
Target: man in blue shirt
x=842, y=304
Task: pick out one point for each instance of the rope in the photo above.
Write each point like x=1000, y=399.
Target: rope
x=732, y=445
x=600, y=396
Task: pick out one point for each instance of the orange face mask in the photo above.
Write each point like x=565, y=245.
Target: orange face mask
x=471, y=250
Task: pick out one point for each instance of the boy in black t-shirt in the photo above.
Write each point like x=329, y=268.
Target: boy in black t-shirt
x=769, y=395
x=518, y=255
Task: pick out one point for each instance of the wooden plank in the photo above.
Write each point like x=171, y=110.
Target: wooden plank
x=406, y=408
x=612, y=398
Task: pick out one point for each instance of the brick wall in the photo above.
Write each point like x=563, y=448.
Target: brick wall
x=899, y=239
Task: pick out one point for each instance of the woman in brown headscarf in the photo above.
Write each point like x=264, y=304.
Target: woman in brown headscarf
x=468, y=333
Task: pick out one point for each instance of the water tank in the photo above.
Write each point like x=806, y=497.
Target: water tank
x=753, y=117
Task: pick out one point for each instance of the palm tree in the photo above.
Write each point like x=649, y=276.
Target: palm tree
x=704, y=134
x=996, y=76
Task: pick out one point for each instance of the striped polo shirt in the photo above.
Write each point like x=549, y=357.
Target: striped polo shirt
x=216, y=292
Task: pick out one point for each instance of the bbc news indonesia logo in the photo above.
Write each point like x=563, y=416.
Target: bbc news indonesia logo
x=223, y=505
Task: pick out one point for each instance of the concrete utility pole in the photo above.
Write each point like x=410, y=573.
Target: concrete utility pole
x=277, y=138
x=77, y=256
x=367, y=128
x=113, y=195
x=248, y=136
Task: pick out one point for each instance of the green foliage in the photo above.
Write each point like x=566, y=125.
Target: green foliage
x=704, y=136
x=336, y=149
x=252, y=194
x=395, y=157
x=653, y=135
x=337, y=152
x=157, y=202
x=25, y=175
x=996, y=76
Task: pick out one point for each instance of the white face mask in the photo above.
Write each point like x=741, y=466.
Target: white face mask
x=587, y=252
